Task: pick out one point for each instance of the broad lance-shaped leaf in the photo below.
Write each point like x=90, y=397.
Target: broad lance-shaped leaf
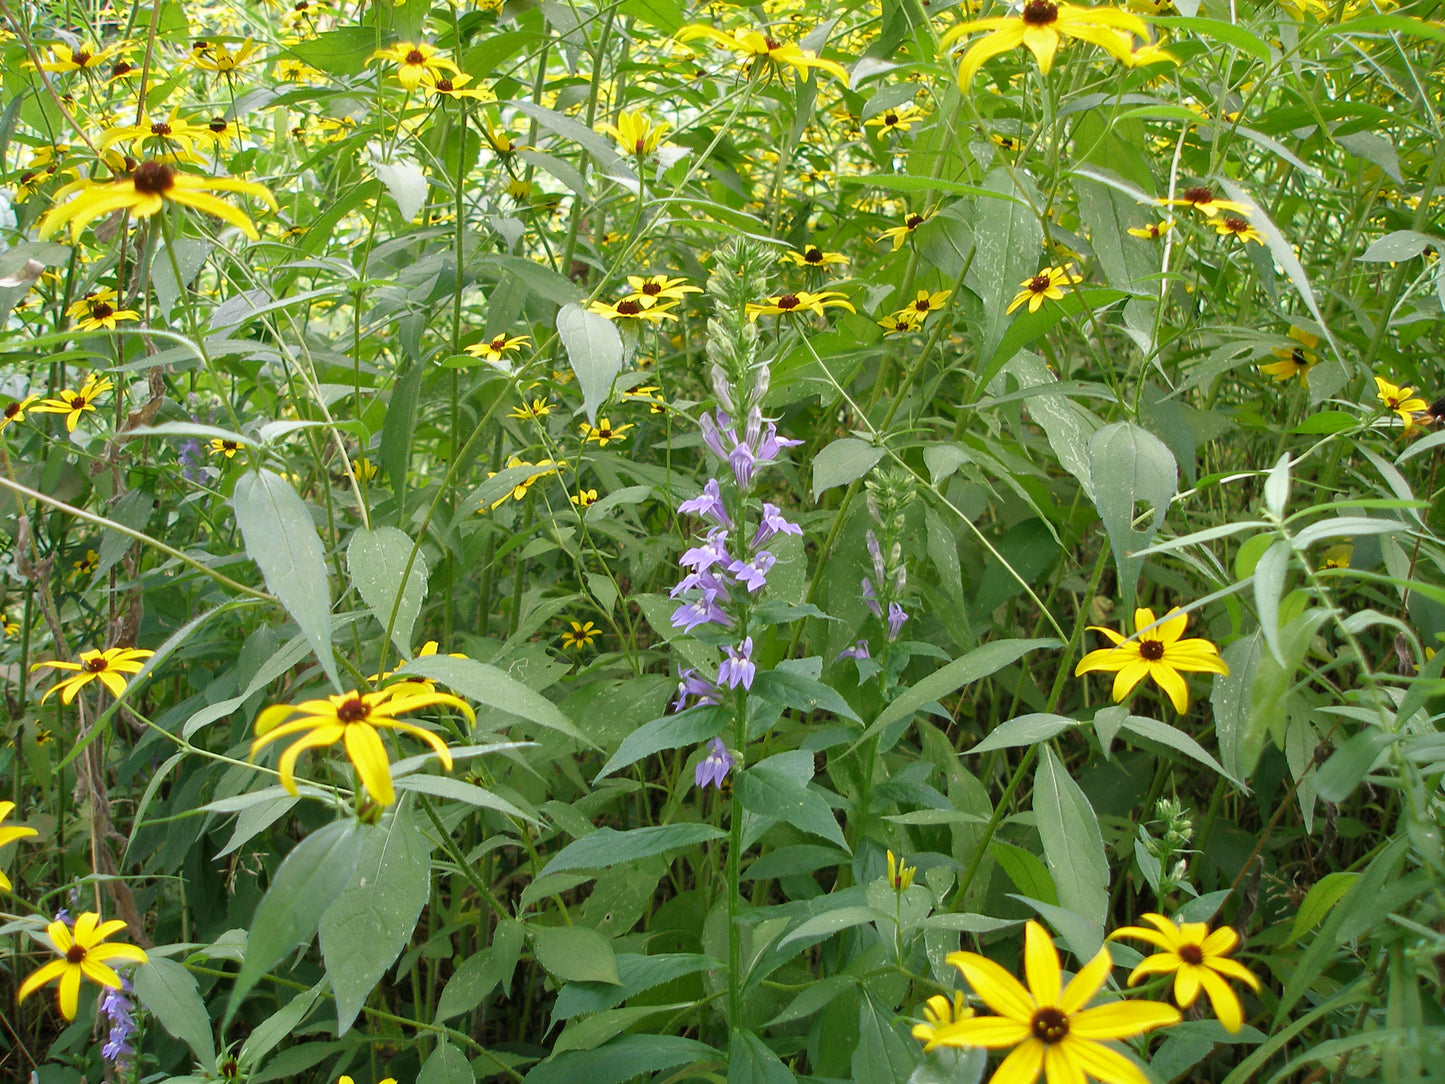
x=364, y=931
x=609, y=847
x=282, y=540
x=594, y=349
x=376, y=560
x=168, y=991
x=316, y=871
x=1133, y=474
x=491, y=687
x=1073, y=845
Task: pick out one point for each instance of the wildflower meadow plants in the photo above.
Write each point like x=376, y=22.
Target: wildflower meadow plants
x=622, y=541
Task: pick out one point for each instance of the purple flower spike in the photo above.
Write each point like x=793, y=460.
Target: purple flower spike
x=774, y=523
x=704, y=611
x=896, y=617
x=708, y=503
x=718, y=433
x=691, y=683
x=714, y=767
x=870, y=598
x=738, y=668
x=857, y=651
x=713, y=551
x=117, y=1009
x=743, y=462
x=755, y=573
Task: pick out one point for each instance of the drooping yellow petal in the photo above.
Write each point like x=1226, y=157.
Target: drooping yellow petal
x=363, y=746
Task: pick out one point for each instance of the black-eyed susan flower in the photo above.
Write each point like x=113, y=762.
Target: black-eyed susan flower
x=1153, y=231
x=1040, y=26
x=585, y=498
x=926, y=303
x=763, y=55
x=631, y=310
x=108, y=667
x=148, y=190
x=519, y=488
x=580, y=635
x=413, y=60
x=354, y=719
x=1238, y=228
x=635, y=134
x=1159, y=654
x=533, y=411
x=83, y=952
x=795, y=304
x=75, y=403
x=899, y=234
x=1045, y=286
x=1295, y=360
x=900, y=323
x=9, y=626
x=901, y=119
x=1006, y=142
x=498, y=347
x=173, y=134
x=95, y=311
x=1337, y=556
x=15, y=411
x=650, y=394
x=1402, y=400
x=365, y=469
x=225, y=446
x=8, y=836
x=939, y=1012
x=1202, y=198
x=813, y=256
x=85, y=57
x=650, y=289
x=604, y=432
x=1198, y=960
x=85, y=566
x=1046, y=1022
x=217, y=57
x=455, y=86
x=900, y=876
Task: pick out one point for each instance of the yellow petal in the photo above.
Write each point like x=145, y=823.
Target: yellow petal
x=1041, y=966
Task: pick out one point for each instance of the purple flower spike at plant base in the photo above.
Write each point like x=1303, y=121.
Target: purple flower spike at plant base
x=708, y=503
x=896, y=617
x=714, y=767
x=754, y=573
x=738, y=668
x=774, y=523
x=857, y=651
x=690, y=615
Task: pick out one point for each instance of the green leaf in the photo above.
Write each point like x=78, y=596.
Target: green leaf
x=280, y=1025
x=978, y=663
x=338, y=52
x=789, y=689
x=483, y=972
x=609, y=847
x=1342, y=773
x=768, y=789
x=133, y=511
x=1133, y=474
x=1318, y=903
x=542, y=281
x=696, y=724
x=407, y=184
x=377, y=560
x=190, y=258
x=1269, y=575
x=575, y=954
x=1174, y=738
x=486, y=684
x=638, y=974
x=594, y=350
x=596, y=1029
x=1327, y=421
x=308, y=882
x=447, y=1065
x=1398, y=245
x=599, y=146
x=1073, y=845
x=845, y=460
x=1025, y=730
x=364, y=931
x=830, y=922
x=624, y=1058
x=455, y=790
x=397, y=429
x=168, y=991
x=883, y=1055
x=281, y=538
x=1025, y=870
x=752, y=1061
x=1008, y=240
x=1229, y=33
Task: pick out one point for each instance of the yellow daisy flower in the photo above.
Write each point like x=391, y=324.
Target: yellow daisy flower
x=1199, y=960
x=75, y=403
x=1294, y=360
x=899, y=234
x=1202, y=199
x=765, y=56
x=796, y=304
x=414, y=60
x=225, y=446
x=106, y=666
x=15, y=411
x=580, y=635
x=648, y=291
x=603, y=432
x=813, y=256
x=1159, y=654
x=82, y=953
x=1040, y=26
x=1044, y=286
x=95, y=311
x=634, y=134
x=1402, y=400
x=940, y=1012
x=495, y=349
x=8, y=836
x=1238, y=227
x=632, y=310
x=1153, y=231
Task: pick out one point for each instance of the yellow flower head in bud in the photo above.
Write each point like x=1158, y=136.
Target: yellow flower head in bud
x=900, y=877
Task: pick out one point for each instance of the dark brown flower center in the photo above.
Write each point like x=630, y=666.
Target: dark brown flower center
x=1297, y=355
x=890, y=119
x=651, y=289
x=74, y=954
x=1191, y=954
x=81, y=58
x=94, y=666
x=79, y=402
x=604, y=431
x=913, y=221
x=415, y=57
x=354, y=710
x=217, y=125
x=123, y=67
x=1236, y=225
x=813, y=255
x=788, y=301
x=1039, y=284
x=1049, y=1024
x=99, y=310
x=445, y=85
x=499, y=343
x=771, y=44
x=1200, y=194
x=153, y=178
x=1153, y=650
x=160, y=128
x=1040, y=13
x=12, y=410
x=921, y=305
x=628, y=308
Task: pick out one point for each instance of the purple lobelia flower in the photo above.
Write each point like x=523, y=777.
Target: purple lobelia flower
x=857, y=651
x=714, y=767
x=896, y=617
x=708, y=503
x=754, y=573
x=738, y=668
x=713, y=551
x=870, y=598
x=691, y=683
x=117, y=1009
x=774, y=523
x=718, y=433
x=702, y=611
